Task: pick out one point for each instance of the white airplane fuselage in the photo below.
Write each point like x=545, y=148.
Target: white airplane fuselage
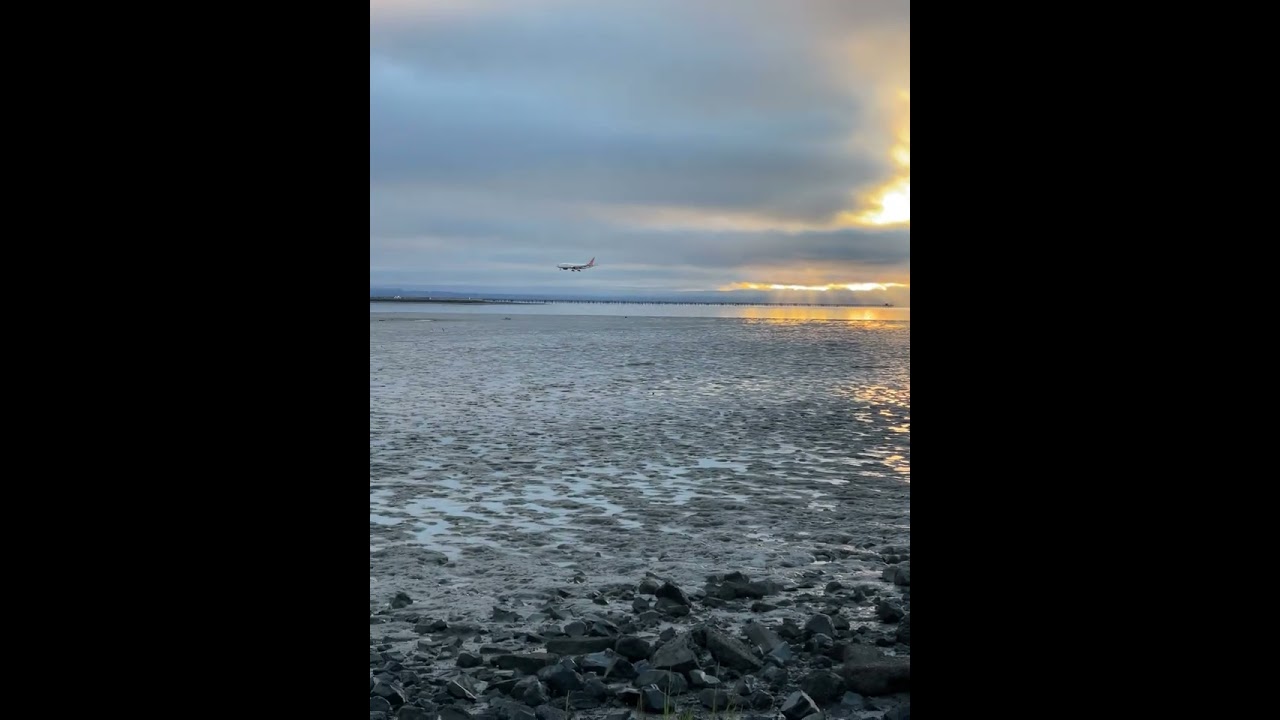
x=575, y=267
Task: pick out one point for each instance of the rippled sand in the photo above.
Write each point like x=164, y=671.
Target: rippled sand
x=532, y=450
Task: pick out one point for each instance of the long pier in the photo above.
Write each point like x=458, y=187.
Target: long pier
x=457, y=301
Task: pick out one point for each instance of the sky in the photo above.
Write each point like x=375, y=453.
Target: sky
x=686, y=146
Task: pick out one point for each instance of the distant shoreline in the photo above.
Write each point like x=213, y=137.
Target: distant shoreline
x=501, y=301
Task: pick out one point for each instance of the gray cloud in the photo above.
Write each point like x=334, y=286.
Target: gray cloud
x=501, y=133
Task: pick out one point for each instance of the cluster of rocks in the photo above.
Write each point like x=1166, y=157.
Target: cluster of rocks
x=551, y=664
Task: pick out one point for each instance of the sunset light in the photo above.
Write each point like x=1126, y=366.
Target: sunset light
x=854, y=287
x=891, y=205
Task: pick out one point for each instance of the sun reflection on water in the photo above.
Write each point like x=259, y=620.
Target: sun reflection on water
x=801, y=313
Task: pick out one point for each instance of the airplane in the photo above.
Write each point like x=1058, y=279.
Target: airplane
x=577, y=268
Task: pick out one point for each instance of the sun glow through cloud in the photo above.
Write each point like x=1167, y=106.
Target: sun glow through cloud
x=892, y=203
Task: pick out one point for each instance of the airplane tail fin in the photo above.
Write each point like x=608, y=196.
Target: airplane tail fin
x=592, y=263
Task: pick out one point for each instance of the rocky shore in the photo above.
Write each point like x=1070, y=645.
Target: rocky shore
x=801, y=645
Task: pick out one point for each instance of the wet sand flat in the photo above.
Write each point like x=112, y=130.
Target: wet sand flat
x=511, y=459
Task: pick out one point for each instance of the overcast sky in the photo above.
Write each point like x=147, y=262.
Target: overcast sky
x=685, y=144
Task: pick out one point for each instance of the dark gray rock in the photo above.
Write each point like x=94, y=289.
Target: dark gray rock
x=670, y=591
x=780, y=655
x=585, y=700
x=503, y=615
x=904, y=630
x=462, y=688
x=579, y=646
x=718, y=700
x=701, y=679
x=859, y=654
x=669, y=682
x=608, y=664
x=675, y=655
x=760, y=700
x=762, y=637
x=412, y=712
x=531, y=691
x=903, y=576
x=852, y=701
x=378, y=716
x=653, y=700
x=527, y=663
x=762, y=607
x=739, y=585
x=596, y=688
x=730, y=653
x=401, y=600
x=889, y=612
x=639, y=605
x=790, y=630
x=451, y=712
x=512, y=710
x=547, y=712
x=505, y=687
x=466, y=629
x=561, y=678
x=880, y=677
x=902, y=712
x=603, y=628
x=467, y=660
x=633, y=648
x=575, y=629
x=671, y=608
x=649, y=617
x=823, y=686
x=820, y=624
x=389, y=689
x=648, y=586
x=798, y=705
x=776, y=677
x=379, y=704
